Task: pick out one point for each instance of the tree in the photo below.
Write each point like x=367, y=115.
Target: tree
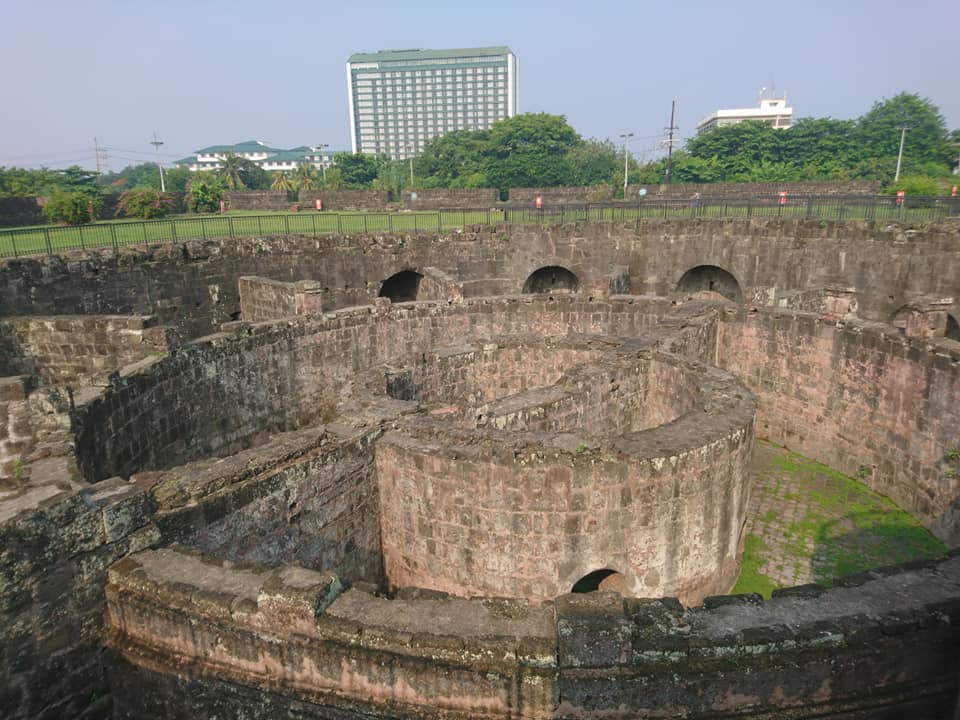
x=332, y=178
x=530, y=151
x=596, y=162
x=252, y=176
x=143, y=175
x=281, y=181
x=305, y=177
x=177, y=179
x=926, y=140
x=356, y=171
x=230, y=167
x=455, y=159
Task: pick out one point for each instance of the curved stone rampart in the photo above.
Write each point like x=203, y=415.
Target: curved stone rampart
x=193, y=285
x=882, y=645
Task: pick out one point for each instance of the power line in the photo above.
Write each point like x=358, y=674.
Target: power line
x=142, y=152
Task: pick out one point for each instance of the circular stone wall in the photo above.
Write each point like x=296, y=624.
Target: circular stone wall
x=632, y=461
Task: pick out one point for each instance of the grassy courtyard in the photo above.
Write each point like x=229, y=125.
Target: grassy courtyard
x=809, y=523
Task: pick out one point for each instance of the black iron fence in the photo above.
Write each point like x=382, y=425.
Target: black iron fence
x=18, y=242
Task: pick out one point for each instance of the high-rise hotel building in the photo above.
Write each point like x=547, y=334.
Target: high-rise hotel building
x=400, y=99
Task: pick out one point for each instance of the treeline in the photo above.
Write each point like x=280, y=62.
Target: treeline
x=822, y=149
x=542, y=150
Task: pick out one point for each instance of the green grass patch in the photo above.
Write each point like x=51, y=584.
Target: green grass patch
x=751, y=579
x=849, y=527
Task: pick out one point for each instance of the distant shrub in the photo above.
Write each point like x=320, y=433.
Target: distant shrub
x=71, y=208
x=204, y=193
x=145, y=203
x=915, y=186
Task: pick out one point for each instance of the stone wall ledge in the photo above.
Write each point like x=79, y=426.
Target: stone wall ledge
x=790, y=653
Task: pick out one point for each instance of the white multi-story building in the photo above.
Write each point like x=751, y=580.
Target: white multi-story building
x=773, y=111
x=400, y=99
x=257, y=151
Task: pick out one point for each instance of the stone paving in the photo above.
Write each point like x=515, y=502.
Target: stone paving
x=809, y=523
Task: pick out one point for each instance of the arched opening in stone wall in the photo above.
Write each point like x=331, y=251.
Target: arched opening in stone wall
x=402, y=286
x=550, y=278
x=605, y=579
x=953, y=328
x=710, y=279
x=899, y=319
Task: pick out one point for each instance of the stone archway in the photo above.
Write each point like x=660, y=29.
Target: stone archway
x=402, y=286
x=605, y=579
x=549, y=279
x=710, y=279
x=953, y=328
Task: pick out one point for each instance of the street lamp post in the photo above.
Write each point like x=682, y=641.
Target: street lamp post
x=903, y=137
x=323, y=165
x=625, y=137
x=410, y=157
x=156, y=146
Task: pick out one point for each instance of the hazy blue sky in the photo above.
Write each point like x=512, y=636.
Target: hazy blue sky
x=201, y=73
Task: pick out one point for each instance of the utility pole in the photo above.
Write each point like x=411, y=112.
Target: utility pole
x=410, y=156
x=625, y=137
x=100, y=156
x=156, y=146
x=903, y=136
x=673, y=107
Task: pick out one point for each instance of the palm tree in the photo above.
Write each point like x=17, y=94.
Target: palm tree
x=281, y=181
x=231, y=165
x=305, y=177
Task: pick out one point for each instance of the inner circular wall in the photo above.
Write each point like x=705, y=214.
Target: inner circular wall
x=521, y=511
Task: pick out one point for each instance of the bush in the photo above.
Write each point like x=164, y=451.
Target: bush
x=204, y=194
x=71, y=208
x=144, y=203
x=915, y=186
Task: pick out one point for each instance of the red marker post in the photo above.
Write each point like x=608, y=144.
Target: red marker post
x=538, y=202
x=901, y=194
x=782, y=198
x=318, y=203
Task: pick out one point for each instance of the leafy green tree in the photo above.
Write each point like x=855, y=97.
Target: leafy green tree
x=356, y=170
x=143, y=175
x=177, y=178
x=20, y=182
x=596, y=162
x=455, y=159
x=252, y=176
x=530, y=150
x=926, y=140
x=76, y=178
x=144, y=203
x=821, y=146
x=72, y=207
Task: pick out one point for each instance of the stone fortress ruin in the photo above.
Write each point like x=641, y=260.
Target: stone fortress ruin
x=360, y=476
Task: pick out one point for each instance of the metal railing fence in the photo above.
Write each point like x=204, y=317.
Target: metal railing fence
x=20, y=242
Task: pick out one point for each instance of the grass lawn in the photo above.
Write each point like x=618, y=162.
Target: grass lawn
x=810, y=523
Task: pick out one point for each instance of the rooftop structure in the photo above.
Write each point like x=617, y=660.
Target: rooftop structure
x=773, y=111
x=400, y=99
